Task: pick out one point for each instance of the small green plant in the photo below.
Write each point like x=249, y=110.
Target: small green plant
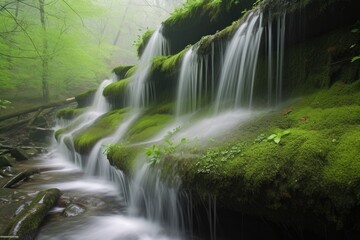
x=260, y=138
x=276, y=137
x=156, y=153
x=209, y=162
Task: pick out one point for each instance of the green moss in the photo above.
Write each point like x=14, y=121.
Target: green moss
x=147, y=127
x=121, y=71
x=130, y=72
x=103, y=126
x=168, y=64
x=142, y=41
x=70, y=113
x=117, y=88
x=344, y=159
x=122, y=156
x=26, y=224
x=115, y=93
x=316, y=167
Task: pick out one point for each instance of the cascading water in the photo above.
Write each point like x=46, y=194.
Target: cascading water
x=146, y=194
x=141, y=91
x=98, y=107
x=238, y=74
x=194, y=83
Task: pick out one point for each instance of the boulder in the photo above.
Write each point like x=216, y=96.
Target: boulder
x=73, y=210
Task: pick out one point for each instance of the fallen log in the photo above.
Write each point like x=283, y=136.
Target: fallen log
x=21, y=177
x=26, y=224
x=34, y=109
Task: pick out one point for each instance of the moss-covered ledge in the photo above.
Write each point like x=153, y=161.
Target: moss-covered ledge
x=70, y=113
x=102, y=127
x=121, y=71
x=298, y=165
x=199, y=18
x=116, y=93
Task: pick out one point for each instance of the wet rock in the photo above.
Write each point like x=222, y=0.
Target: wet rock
x=73, y=210
x=32, y=151
x=63, y=201
x=91, y=202
x=26, y=224
x=19, y=154
x=7, y=171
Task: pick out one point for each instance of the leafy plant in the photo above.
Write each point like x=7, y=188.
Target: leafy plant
x=209, y=162
x=276, y=137
x=156, y=153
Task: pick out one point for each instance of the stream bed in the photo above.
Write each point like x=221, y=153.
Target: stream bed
x=89, y=208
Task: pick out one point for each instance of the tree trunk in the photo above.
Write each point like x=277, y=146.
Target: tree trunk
x=45, y=57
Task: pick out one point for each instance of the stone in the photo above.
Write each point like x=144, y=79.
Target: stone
x=73, y=210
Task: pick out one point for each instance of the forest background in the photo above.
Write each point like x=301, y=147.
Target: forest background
x=54, y=49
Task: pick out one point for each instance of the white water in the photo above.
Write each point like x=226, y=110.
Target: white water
x=237, y=77
x=194, y=83
x=141, y=91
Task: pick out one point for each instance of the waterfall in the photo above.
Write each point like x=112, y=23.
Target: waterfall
x=140, y=95
x=141, y=92
x=145, y=192
x=193, y=85
x=98, y=108
x=280, y=56
x=238, y=74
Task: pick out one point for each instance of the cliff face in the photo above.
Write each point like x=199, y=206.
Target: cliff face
x=297, y=164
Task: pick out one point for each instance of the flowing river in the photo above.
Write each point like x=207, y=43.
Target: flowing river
x=99, y=211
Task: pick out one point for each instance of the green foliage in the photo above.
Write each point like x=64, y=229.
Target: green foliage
x=211, y=161
x=276, y=137
x=156, y=153
x=74, y=59
x=142, y=40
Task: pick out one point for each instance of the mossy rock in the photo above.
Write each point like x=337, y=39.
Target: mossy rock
x=26, y=224
x=85, y=99
x=70, y=113
x=313, y=167
x=199, y=18
x=102, y=127
x=121, y=71
x=123, y=154
x=116, y=93
x=142, y=42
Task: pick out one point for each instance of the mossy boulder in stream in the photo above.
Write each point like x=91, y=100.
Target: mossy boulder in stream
x=26, y=224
